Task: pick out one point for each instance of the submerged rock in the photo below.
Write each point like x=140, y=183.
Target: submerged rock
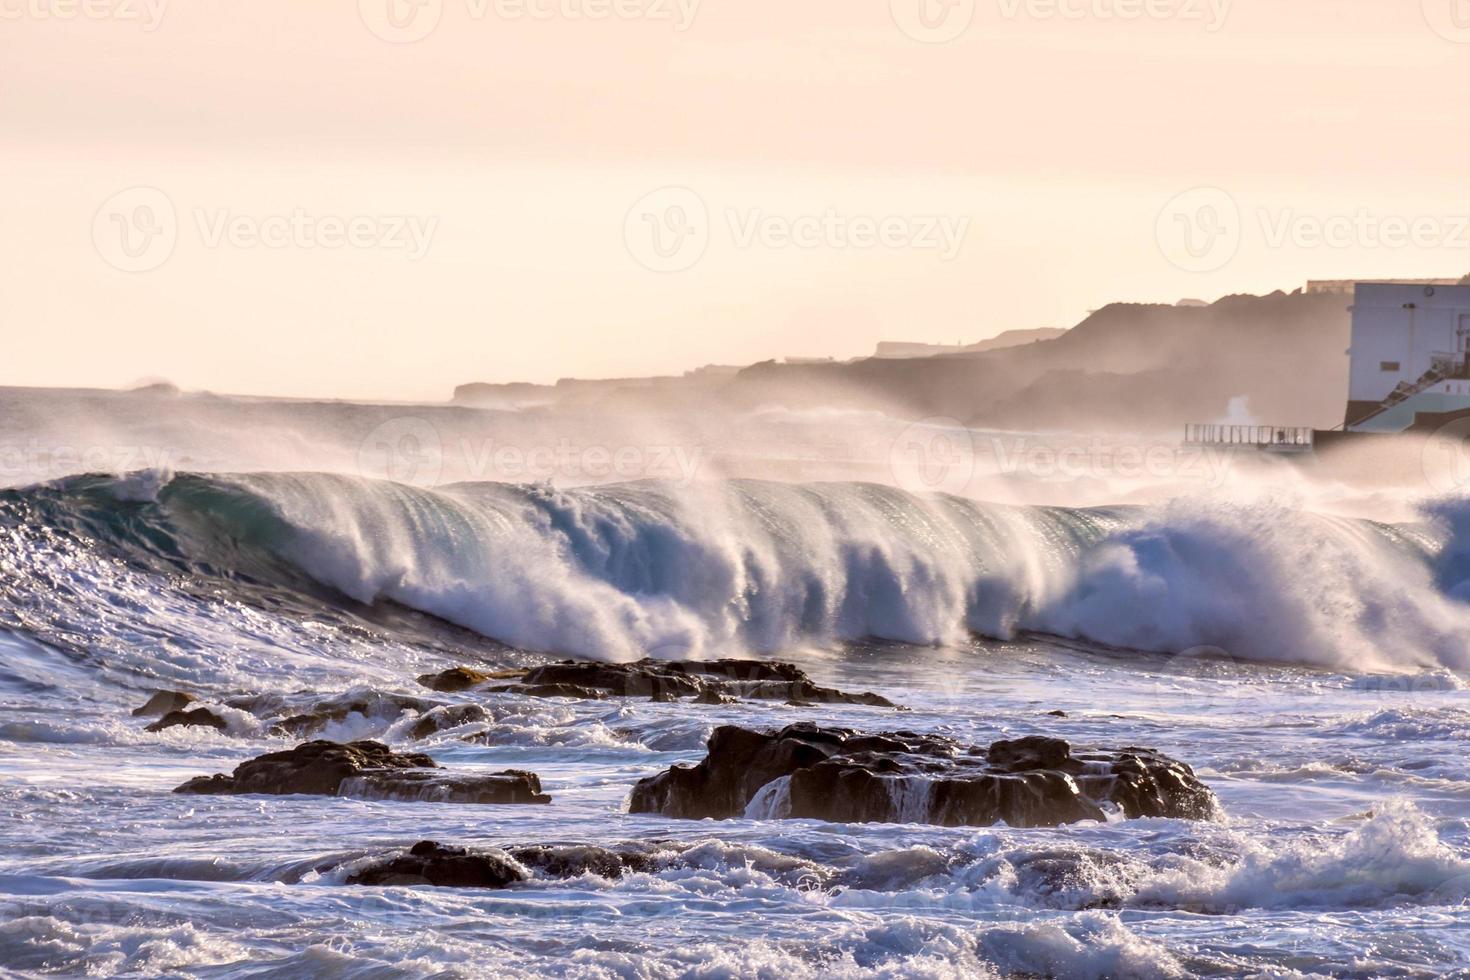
x=457, y=679
x=447, y=716
x=163, y=703
x=198, y=718
x=314, y=721
x=368, y=770
x=902, y=777
x=431, y=863
x=575, y=860
x=707, y=682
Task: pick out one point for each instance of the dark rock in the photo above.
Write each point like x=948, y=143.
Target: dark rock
x=438, y=786
x=1057, y=714
x=903, y=777
x=163, y=703
x=198, y=718
x=645, y=679
x=572, y=691
x=454, y=679
x=447, y=716
x=575, y=860
x=704, y=681
x=430, y=863
x=368, y=770
x=313, y=722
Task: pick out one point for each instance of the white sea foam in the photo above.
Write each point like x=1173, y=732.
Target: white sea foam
x=617, y=572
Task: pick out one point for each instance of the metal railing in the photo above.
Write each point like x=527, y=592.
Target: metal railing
x=1259, y=436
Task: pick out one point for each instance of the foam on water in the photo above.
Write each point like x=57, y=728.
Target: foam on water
x=277, y=595
x=617, y=571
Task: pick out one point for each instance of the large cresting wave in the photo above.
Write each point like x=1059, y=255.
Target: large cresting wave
x=624, y=571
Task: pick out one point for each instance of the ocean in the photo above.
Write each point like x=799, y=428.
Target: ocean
x=1308, y=659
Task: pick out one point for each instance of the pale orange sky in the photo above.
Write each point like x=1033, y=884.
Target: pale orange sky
x=517, y=146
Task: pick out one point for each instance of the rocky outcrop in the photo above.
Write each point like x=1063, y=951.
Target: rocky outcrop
x=368, y=770
x=431, y=863
x=575, y=860
x=445, y=717
x=707, y=682
x=902, y=777
x=198, y=718
x=314, y=720
x=457, y=679
x=163, y=703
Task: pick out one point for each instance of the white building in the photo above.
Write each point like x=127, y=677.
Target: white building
x=1410, y=354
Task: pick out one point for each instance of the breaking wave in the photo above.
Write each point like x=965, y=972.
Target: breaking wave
x=623, y=571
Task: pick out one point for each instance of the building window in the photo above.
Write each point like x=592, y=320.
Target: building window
x=1388, y=365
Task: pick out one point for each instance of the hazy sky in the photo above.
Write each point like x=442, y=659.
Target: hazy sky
x=334, y=197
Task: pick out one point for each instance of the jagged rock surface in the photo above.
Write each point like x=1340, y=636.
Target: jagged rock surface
x=707, y=682
x=369, y=770
x=198, y=718
x=164, y=702
x=431, y=863
x=903, y=777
